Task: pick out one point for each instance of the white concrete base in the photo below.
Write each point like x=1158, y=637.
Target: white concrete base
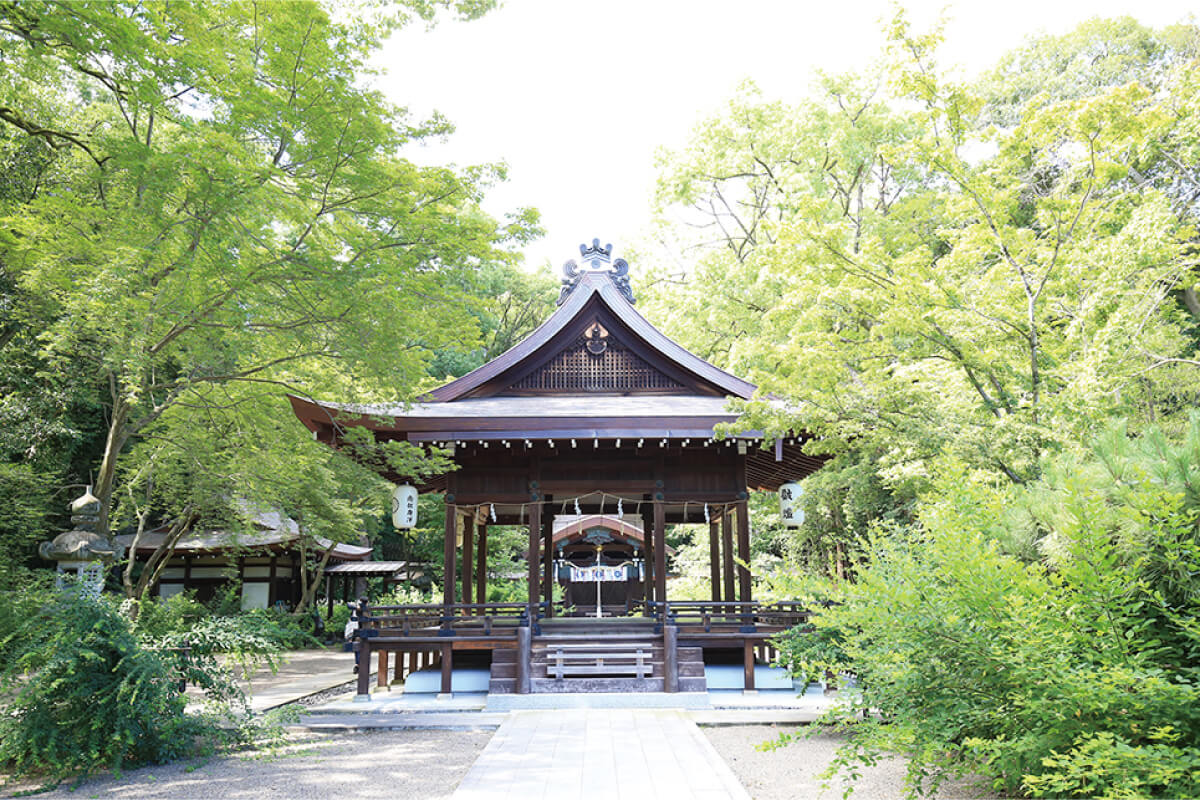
x=444, y=696
x=429, y=681
x=362, y=698
x=562, y=700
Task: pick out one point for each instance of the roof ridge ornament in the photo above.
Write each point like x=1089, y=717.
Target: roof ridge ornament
x=598, y=260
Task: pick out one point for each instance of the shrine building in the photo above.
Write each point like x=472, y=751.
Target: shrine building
x=594, y=413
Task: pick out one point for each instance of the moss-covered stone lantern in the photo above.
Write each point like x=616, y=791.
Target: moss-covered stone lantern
x=81, y=550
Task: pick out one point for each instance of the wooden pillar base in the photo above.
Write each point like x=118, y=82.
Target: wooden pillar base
x=670, y=658
x=524, y=654
x=364, y=671
x=447, y=668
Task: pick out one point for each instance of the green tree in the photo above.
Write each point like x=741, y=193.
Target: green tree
x=232, y=215
x=910, y=281
x=1073, y=675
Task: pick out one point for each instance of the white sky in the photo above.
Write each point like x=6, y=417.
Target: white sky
x=578, y=95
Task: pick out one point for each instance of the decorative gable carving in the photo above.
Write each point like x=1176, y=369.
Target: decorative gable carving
x=595, y=362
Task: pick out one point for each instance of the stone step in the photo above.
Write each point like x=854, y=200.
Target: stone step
x=610, y=685
x=504, y=670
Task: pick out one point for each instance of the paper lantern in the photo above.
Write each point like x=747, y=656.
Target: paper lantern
x=791, y=511
x=404, y=507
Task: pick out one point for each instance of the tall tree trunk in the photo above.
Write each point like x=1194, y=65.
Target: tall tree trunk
x=118, y=435
x=310, y=591
x=162, y=554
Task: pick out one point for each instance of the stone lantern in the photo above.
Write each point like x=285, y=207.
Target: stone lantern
x=81, y=550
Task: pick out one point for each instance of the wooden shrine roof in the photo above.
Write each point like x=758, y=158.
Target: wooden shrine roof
x=591, y=291
x=596, y=374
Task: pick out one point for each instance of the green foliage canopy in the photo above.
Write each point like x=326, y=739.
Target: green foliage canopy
x=206, y=205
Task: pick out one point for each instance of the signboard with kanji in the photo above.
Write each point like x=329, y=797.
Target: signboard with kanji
x=596, y=574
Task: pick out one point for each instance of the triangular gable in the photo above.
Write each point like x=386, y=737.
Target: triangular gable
x=634, y=358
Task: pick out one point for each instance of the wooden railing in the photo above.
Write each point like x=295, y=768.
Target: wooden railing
x=725, y=614
x=486, y=619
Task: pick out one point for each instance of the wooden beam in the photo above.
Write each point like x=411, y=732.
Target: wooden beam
x=468, y=557
x=481, y=571
x=743, y=545
x=449, y=555
x=714, y=559
x=727, y=553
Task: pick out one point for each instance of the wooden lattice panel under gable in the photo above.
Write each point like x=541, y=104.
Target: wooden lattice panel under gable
x=615, y=369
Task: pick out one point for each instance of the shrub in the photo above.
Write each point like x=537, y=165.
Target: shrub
x=1074, y=675
x=85, y=695
x=162, y=616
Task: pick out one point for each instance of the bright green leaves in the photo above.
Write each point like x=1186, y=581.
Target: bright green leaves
x=229, y=215
x=948, y=271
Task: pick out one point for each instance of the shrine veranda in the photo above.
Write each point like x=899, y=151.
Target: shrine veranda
x=594, y=413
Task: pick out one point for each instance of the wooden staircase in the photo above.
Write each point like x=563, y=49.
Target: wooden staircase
x=606, y=655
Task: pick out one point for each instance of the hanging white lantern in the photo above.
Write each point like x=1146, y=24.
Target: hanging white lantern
x=791, y=511
x=404, y=507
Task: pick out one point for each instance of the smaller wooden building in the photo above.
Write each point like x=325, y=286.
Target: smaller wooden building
x=265, y=562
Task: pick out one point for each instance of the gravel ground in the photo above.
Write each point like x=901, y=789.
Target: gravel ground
x=430, y=764
x=424, y=764
x=792, y=773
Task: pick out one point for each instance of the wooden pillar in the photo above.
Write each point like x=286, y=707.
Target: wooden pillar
x=727, y=553
x=648, y=561
x=468, y=558
x=748, y=665
x=364, y=669
x=481, y=567
x=714, y=559
x=271, y=598
x=524, y=656
x=535, y=539
x=381, y=673
x=448, y=577
x=660, y=552
x=743, y=546
x=670, y=658
x=548, y=559
x=447, y=668
x=401, y=657
x=329, y=595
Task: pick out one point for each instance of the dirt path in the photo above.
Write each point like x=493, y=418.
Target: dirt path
x=791, y=773
x=424, y=764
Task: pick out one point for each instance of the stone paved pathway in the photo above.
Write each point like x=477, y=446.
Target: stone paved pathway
x=599, y=753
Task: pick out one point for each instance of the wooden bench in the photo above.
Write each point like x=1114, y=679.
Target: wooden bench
x=599, y=659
